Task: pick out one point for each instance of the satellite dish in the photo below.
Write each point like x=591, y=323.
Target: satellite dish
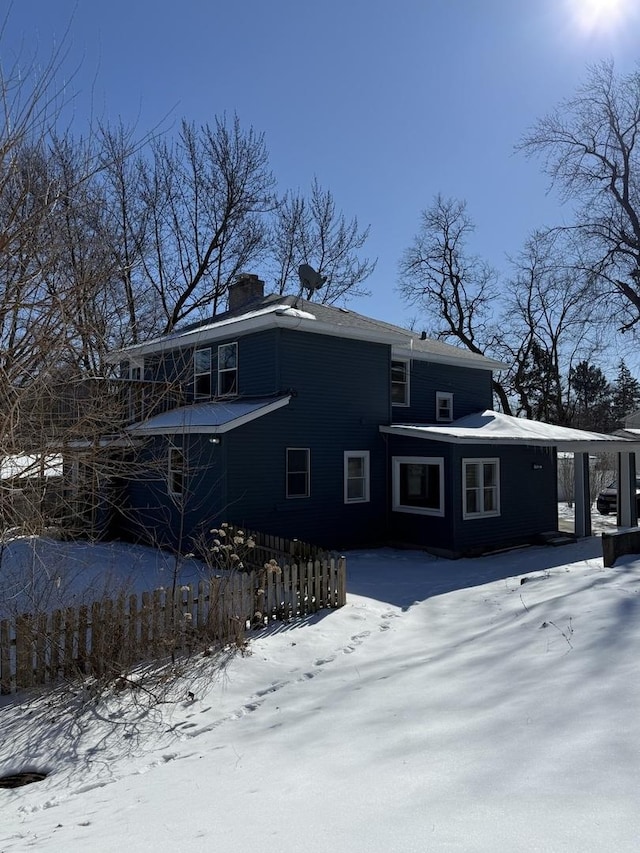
x=309, y=279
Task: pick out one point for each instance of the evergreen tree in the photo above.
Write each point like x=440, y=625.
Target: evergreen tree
x=591, y=394
x=625, y=395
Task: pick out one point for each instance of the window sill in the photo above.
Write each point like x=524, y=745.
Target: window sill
x=415, y=510
x=478, y=515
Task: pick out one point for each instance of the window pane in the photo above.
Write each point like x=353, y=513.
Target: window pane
x=203, y=386
x=471, y=499
x=227, y=356
x=472, y=476
x=202, y=360
x=398, y=371
x=489, y=500
x=355, y=466
x=297, y=460
x=297, y=485
x=355, y=489
x=227, y=383
x=420, y=485
x=489, y=474
x=398, y=394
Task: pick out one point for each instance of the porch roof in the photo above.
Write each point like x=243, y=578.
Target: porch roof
x=490, y=427
x=211, y=418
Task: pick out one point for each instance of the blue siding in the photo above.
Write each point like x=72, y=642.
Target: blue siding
x=472, y=391
x=340, y=396
x=528, y=499
x=151, y=515
x=257, y=365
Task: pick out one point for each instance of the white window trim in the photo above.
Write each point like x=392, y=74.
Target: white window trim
x=197, y=373
x=360, y=454
x=172, y=468
x=227, y=370
x=416, y=460
x=407, y=363
x=442, y=396
x=481, y=514
x=307, y=472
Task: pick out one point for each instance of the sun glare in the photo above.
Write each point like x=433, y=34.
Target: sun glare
x=592, y=16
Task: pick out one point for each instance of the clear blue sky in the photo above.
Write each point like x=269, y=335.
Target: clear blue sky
x=387, y=103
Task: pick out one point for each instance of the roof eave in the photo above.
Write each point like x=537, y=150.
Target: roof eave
x=575, y=446
x=464, y=359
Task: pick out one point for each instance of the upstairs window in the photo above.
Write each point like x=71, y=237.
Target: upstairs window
x=444, y=406
x=202, y=373
x=176, y=473
x=356, y=476
x=481, y=487
x=400, y=382
x=136, y=369
x=418, y=484
x=298, y=471
x=137, y=393
x=227, y=370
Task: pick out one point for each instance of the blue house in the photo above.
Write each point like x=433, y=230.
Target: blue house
x=314, y=422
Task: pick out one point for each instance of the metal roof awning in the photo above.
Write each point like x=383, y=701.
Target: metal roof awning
x=491, y=427
x=211, y=418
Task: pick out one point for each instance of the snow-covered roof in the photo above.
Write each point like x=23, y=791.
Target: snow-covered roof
x=30, y=465
x=490, y=427
x=296, y=313
x=209, y=418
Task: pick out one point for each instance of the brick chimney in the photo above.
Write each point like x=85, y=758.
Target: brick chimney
x=245, y=289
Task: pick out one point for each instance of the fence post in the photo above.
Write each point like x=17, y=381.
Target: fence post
x=83, y=631
x=97, y=643
x=5, y=659
x=132, y=630
x=54, y=645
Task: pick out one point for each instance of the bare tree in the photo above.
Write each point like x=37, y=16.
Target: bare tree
x=125, y=233
x=206, y=196
x=454, y=289
x=311, y=231
x=589, y=146
x=547, y=327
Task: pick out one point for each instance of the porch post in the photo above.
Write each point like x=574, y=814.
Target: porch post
x=627, y=508
x=582, y=525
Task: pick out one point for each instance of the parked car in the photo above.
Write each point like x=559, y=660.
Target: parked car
x=607, y=500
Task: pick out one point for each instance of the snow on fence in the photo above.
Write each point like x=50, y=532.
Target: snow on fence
x=103, y=639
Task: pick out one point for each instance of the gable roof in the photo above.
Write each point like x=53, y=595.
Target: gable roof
x=491, y=427
x=314, y=317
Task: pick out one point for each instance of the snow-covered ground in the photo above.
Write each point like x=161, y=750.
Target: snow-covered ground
x=449, y=706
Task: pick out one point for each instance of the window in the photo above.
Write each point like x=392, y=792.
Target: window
x=297, y=472
x=481, y=487
x=227, y=369
x=136, y=369
x=444, y=406
x=176, y=476
x=202, y=373
x=356, y=476
x=418, y=484
x=137, y=393
x=400, y=383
